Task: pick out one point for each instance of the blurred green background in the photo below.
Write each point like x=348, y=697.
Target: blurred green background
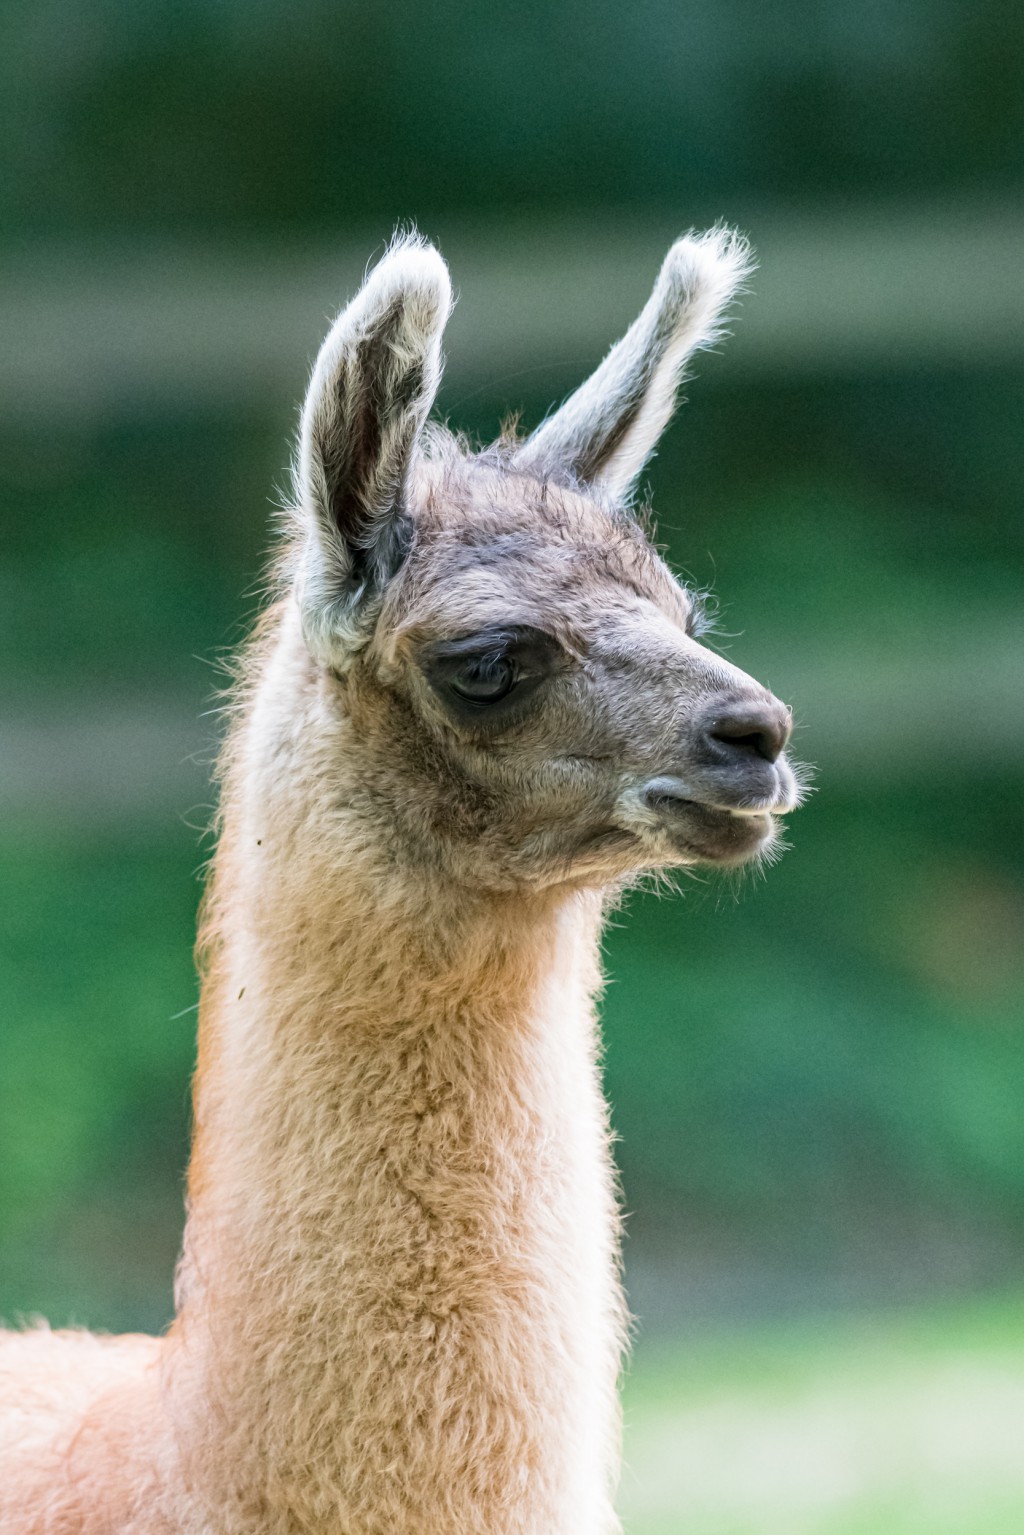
x=817, y=1079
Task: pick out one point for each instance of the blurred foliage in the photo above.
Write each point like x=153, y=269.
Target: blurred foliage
x=815, y=1076
x=240, y=117
x=96, y=977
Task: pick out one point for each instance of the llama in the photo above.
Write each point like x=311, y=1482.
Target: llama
x=477, y=709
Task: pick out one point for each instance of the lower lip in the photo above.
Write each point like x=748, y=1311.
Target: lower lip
x=721, y=834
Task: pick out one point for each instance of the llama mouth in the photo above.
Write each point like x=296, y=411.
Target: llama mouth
x=717, y=834
x=751, y=812
x=672, y=827
x=741, y=812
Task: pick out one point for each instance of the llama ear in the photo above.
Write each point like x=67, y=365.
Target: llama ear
x=606, y=431
x=372, y=388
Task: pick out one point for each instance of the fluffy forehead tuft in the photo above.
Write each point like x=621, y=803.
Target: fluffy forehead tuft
x=492, y=545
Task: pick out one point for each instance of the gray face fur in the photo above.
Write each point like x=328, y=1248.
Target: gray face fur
x=527, y=697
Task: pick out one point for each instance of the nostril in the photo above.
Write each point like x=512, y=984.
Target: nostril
x=758, y=734
x=752, y=740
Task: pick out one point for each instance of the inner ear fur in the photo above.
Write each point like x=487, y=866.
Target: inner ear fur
x=372, y=388
x=605, y=432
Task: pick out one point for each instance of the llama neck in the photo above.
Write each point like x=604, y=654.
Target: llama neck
x=400, y=1294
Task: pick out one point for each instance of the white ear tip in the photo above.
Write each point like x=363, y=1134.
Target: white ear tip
x=720, y=258
x=418, y=272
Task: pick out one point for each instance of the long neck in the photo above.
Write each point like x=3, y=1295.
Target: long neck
x=400, y=1300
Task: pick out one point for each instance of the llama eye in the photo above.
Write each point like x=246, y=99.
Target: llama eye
x=476, y=674
x=484, y=679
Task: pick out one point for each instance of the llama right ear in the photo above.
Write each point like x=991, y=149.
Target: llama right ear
x=372, y=388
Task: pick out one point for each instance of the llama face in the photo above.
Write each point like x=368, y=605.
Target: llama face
x=535, y=703
x=528, y=695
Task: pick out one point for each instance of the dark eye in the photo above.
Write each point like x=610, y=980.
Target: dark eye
x=484, y=679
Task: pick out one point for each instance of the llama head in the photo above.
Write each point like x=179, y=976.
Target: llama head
x=523, y=694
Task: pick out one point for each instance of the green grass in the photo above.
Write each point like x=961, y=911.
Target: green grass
x=910, y=1424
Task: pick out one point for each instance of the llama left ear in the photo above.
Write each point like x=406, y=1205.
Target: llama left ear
x=372, y=388
x=605, y=432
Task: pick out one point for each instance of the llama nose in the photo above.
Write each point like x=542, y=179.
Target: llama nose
x=750, y=730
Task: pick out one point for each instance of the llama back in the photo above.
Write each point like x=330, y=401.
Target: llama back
x=73, y=1416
